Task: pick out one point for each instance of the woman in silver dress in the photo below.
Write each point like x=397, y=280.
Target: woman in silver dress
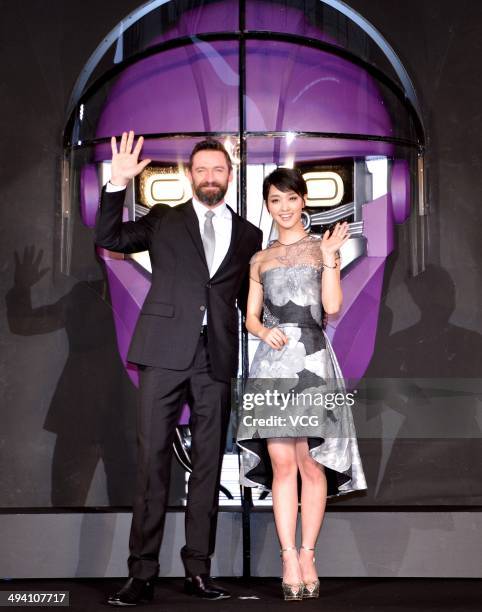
x=295, y=413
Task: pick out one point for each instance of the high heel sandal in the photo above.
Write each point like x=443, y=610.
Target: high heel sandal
x=291, y=592
x=311, y=590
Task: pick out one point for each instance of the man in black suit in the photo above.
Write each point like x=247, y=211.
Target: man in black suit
x=186, y=345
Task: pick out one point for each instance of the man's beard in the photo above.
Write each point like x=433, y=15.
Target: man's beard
x=211, y=197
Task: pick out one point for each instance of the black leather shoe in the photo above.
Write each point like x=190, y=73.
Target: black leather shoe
x=133, y=592
x=202, y=586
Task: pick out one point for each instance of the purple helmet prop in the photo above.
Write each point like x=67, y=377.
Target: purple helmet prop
x=282, y=87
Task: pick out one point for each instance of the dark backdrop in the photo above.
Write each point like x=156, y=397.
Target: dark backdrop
x=67, y=408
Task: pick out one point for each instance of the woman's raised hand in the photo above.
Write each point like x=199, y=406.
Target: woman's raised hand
x=274, y=337
x=125, y=161
x=331, y=243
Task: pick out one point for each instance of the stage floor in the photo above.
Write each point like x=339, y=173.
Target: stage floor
x=264, y=595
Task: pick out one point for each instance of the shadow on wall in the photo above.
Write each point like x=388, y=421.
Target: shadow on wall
x=93, y=407
x=417, y=384
x=433, y=347
x=430, y=437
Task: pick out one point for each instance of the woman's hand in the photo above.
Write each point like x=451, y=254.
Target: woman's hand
x=125, y=162
x=331, y=293
x=331, y=243
x=273, y=337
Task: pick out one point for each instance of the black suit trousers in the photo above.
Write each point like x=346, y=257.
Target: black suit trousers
x=162, y=392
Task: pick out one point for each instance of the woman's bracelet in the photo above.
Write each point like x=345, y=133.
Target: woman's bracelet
x=337, y=258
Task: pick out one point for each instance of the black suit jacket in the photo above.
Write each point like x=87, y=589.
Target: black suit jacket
x=168, y=328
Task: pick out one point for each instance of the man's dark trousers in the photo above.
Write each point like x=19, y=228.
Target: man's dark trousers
x=162, y=392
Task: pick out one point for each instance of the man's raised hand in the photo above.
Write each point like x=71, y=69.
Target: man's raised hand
x=125, y=161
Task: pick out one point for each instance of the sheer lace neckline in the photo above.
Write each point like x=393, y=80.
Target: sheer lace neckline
x=276, y=243
x=288, y=244
x=299, y=254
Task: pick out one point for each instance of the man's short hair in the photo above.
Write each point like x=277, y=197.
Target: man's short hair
x=210, y=144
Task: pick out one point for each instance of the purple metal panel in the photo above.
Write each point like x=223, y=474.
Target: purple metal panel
x=191, y=89
x=378, y=226
x=284, y=150
x=295, y=88
x=89, y=194
x=128, y=289
x=353, y=330
x=400, y=189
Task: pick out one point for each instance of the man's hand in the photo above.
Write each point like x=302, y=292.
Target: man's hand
x=125, y=164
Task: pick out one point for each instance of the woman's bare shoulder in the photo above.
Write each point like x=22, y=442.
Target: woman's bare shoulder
x=260, y=256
